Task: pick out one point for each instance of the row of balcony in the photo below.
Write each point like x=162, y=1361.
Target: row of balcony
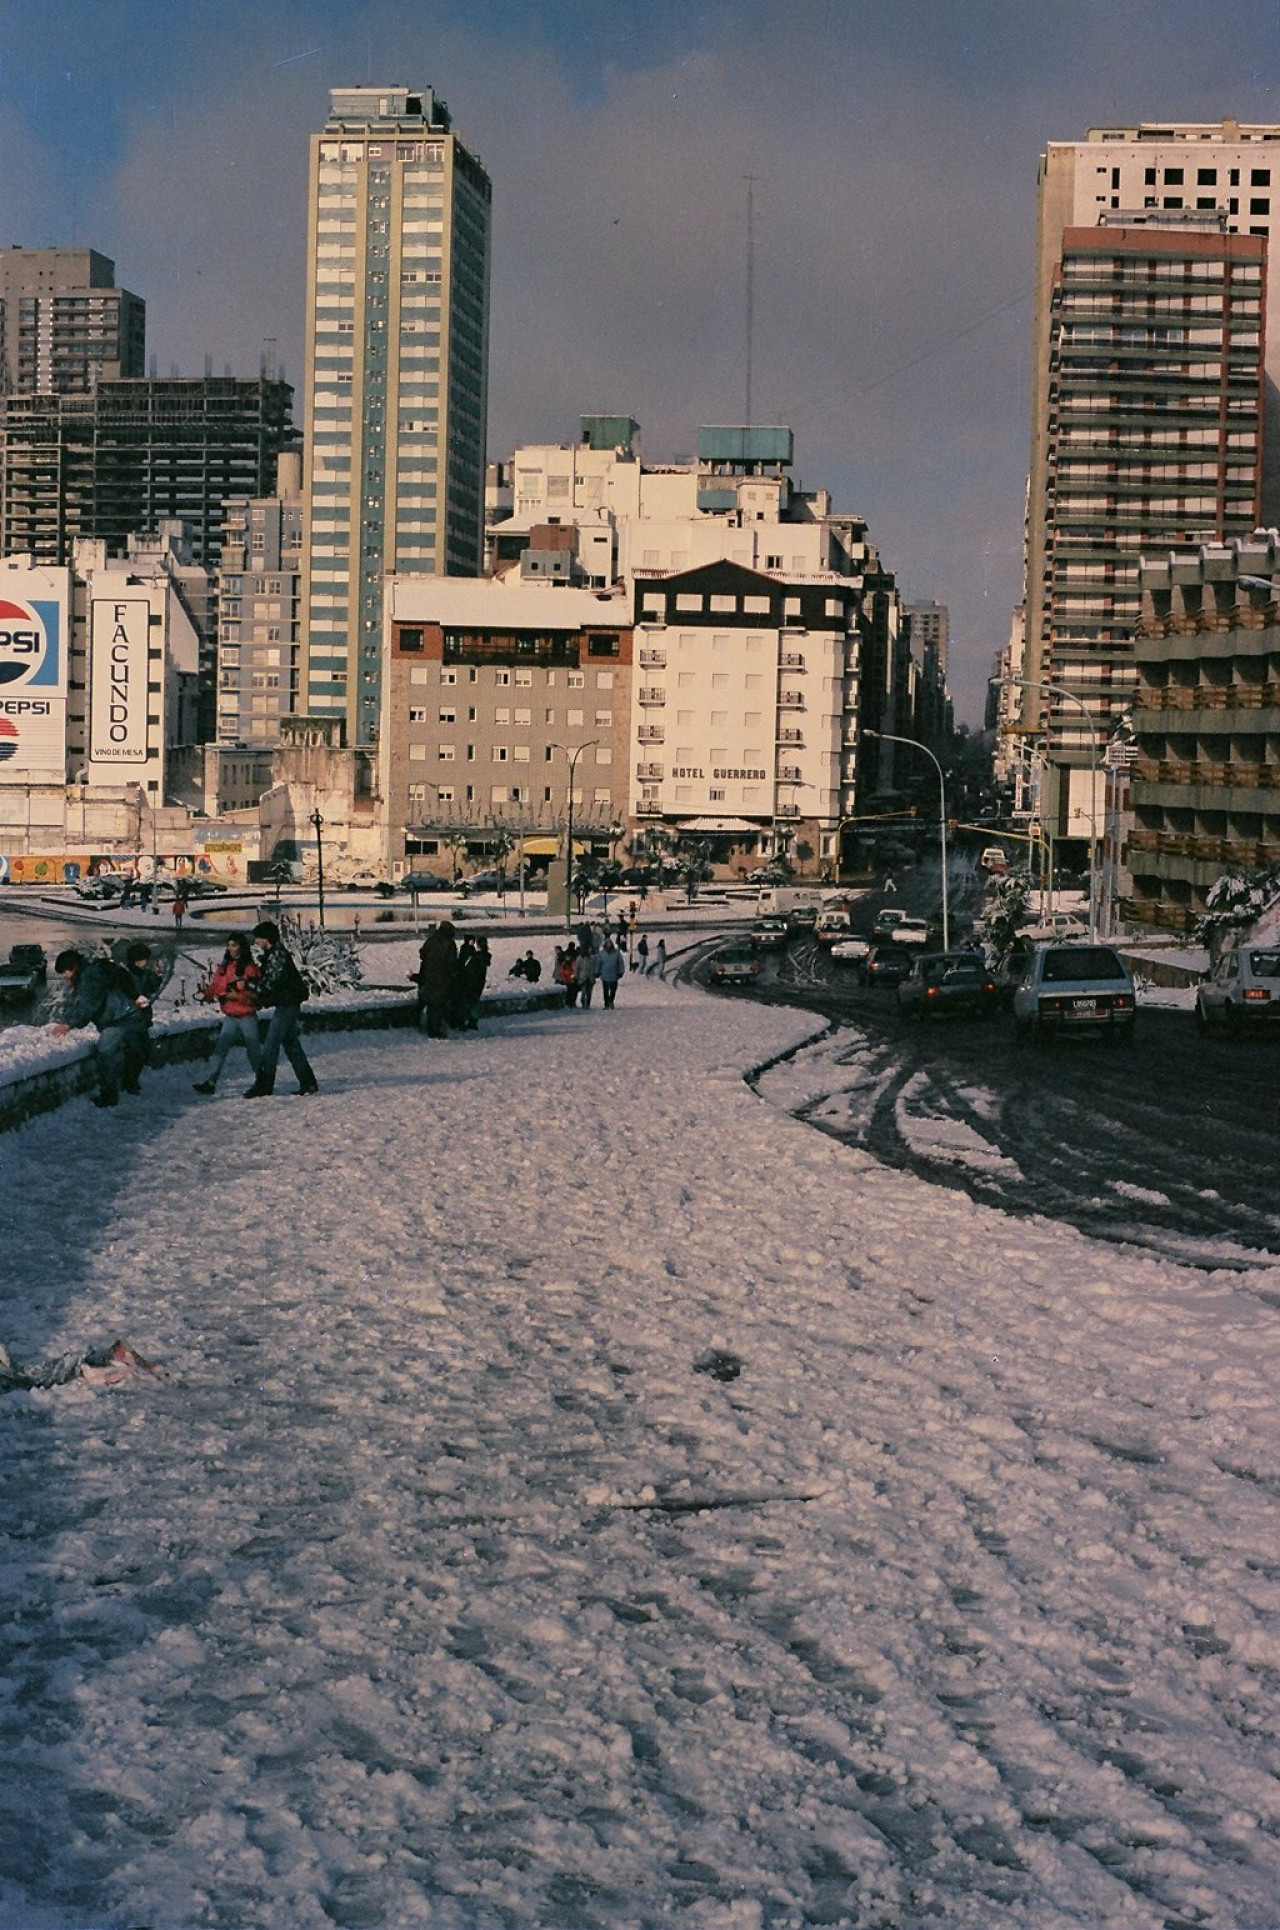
x=1247, y=853
x=1244, y=616
x=1168, y=770
x=1211, y=697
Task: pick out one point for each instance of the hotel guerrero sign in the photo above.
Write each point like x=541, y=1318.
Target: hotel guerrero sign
x=118, y=640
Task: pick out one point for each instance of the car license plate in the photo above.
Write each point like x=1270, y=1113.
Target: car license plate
x=1084, y=1006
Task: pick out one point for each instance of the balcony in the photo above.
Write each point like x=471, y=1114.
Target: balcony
x=649, y=773
x=649, y=807
x=790, y=774
x=788, y=734
x=652, y=733
x=791, y=660
x=787, y=699
x=653, y=659
x=652, y=696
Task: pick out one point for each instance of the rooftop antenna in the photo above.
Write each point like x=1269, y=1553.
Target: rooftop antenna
x=269, y=359
x=751, y=180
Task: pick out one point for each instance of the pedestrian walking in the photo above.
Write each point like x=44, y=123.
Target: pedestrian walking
x=282, y=987
x=659, y=964
x=640, y=954
x=610, y=967
x=102, y=994
x=437, y=968
x=179, y=910
x=233, y=988
x=585, y=977
x=567, y=971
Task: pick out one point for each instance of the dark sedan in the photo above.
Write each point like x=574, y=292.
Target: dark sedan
x=886, y=965
x=943, y=982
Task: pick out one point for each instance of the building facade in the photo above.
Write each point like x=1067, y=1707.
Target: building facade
x=1205, y=782
x=64, y=324
x=396, y=379
x=504, y=699
x=259, y=600
x=1154, y=283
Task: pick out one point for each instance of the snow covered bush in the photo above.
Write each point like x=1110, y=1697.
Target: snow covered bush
x=328, y=960
x=1235, y=901
x=1006, y=912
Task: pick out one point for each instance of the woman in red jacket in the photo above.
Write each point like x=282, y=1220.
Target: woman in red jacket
x=233, y=988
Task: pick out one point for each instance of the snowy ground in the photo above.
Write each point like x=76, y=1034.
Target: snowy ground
x=437, y=1583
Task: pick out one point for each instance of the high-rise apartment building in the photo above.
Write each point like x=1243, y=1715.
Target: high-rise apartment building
x=64, y=323
x=1153, y=380
x=1143, y=330
x=396, y=379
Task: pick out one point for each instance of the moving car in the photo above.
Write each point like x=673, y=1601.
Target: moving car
x=1242, y=991
x=769, y=935
x=24, y=973
x=886, y=965
x=941, y=982
x=885, y=921
x=832, y=926
x=911, y=931
x=1056, y=924
x=1082, y=989
x=994, y=858
x=734, y=965
x=851, y=950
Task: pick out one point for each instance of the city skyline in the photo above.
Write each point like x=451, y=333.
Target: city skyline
x=892, y=240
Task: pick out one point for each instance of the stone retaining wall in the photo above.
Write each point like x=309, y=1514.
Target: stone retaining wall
x=184, y=1042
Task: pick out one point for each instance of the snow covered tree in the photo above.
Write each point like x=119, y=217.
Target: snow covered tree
x=327, y=960
x=1006, y=912
x=1233, y=902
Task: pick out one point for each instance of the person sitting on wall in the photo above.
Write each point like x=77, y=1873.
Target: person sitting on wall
x=103, y=995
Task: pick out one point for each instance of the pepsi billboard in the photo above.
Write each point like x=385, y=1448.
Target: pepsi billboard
x=32, y=679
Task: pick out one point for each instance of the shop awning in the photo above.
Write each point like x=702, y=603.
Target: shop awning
x=719, y=825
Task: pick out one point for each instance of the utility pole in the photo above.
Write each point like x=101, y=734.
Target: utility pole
x=751, y=287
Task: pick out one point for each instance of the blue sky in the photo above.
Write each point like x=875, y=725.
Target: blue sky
x=894, y=148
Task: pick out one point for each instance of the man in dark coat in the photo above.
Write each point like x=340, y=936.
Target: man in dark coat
x=282, y=986
x=437, y=969
x=102, y=995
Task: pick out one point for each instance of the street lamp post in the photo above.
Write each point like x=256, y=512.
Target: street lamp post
x=888, y=737
x=1060, y=690
x=573, y=756
x=318, y=822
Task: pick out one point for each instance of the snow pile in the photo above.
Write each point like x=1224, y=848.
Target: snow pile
x=455, y=1577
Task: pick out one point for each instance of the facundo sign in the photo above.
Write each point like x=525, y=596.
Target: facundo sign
x=119, y=636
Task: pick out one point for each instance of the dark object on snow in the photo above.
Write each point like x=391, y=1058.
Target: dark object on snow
x=720, y=1366
x=101, y=1366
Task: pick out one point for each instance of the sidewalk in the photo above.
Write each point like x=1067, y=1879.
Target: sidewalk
x=583, y=1495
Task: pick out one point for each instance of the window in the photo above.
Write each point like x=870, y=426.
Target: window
x=445, y=753
x=520, y=754
x=575, y=717
x=604, y=680
x=604, y=720
x=1173, y=177
x=524, y=717
x=577, y=680
x=1261, y=203
x=502, y=715
x=448, y=676
x=449, y=716
x=418, y=714
x=502, y=677
x=1206, y=177
x=1260, y=177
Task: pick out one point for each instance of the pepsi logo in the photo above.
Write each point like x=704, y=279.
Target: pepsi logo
x=22, y=642
x=8, y=740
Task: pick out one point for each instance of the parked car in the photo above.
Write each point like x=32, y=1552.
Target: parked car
x=942, y=982
x=1056, y=924
x=769, y=935
x=24, y=973
x=425, y=881
x=851, y=950
x=734, y=965
x=1242, y=992
x=1081, y=989
x=885, y=965
x=369, y=881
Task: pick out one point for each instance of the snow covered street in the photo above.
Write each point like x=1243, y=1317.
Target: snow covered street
x=440, y=1582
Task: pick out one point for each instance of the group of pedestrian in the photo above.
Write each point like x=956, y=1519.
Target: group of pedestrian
x=583, y=964
x=451, y=978
x=116, y=999
x=241, y=987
